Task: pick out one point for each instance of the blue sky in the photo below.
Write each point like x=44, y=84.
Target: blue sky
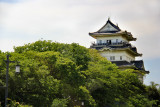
x=68, y=21
x=10, y=1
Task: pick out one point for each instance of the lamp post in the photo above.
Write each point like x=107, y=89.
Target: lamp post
x=7, y=70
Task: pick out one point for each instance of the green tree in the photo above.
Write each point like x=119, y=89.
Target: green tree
x=59, y=103
x=57, y=74
x=154, y=93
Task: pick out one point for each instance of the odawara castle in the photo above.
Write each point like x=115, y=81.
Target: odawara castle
x=114, y=44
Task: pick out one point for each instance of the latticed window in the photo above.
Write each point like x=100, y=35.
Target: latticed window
x=112, y=58
x=120, y=57
x=100, y=41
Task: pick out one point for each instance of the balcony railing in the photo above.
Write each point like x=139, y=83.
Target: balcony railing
x=110, y=44
x=114, y=45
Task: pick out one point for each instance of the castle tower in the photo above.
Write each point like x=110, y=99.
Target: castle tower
x=114, y=44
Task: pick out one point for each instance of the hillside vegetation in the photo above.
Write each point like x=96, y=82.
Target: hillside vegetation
x=67, y=75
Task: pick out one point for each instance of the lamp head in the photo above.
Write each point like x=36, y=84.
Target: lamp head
x=17, y=68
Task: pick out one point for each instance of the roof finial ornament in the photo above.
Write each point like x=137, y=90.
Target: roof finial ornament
x=117, y=24
x=109, y=18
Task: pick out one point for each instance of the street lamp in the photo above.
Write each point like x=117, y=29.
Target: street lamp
x=7, y=70
x=17, y=68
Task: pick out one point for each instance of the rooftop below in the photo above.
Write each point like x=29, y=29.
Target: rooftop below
x=137, y=65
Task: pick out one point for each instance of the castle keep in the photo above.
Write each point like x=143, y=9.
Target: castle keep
x=114, y=44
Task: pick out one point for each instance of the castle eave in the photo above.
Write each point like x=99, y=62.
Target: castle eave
x=95, y=34
x=127, y=35
x=128, y=49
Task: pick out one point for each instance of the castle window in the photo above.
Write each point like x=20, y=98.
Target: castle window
x=112, y=58
x=120, y=57
x=108, y=41
x=116, y=40
x=100, y=42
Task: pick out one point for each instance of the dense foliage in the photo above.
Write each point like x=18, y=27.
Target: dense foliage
x=60, y=75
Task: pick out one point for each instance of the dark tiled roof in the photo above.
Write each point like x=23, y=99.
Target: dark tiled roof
x=139, y=65
x=134, y=49
x=108, y=31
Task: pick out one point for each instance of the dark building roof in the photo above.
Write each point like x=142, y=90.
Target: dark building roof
x=107, y=28
x=134, y=49
x=110, y=29
x=138, y=65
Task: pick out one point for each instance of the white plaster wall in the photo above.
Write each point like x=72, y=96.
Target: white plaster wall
x=129, y=57
x=117, y=54
x=113, y=39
